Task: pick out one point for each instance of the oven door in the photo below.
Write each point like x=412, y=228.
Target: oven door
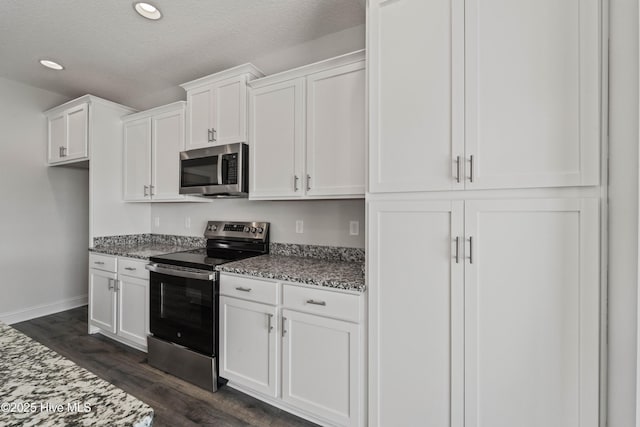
x=183, y=309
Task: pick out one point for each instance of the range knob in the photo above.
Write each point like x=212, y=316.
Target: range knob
x=260, y=229
x=253, y=229
x=213, y=227
x=246, y=229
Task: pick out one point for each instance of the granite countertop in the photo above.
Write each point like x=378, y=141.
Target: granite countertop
x=140, y=251
x=40, y=387
x=348, y=275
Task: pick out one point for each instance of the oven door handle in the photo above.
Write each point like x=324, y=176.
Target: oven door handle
x=155, y=268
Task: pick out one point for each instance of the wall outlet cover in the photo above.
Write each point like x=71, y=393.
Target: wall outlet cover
x=299, y=226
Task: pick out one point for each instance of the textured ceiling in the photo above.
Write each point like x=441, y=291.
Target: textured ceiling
x=110, y=51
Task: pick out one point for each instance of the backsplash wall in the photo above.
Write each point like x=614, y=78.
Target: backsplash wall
x=325, y=222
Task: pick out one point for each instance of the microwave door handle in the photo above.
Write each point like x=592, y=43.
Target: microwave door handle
x=220, y=169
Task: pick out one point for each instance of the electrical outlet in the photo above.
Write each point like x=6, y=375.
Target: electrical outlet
x=299, y=226
x=156, y=221
x=354, y=228
x=187, y=222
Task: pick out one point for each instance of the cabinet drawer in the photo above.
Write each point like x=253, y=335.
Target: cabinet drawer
x=323, y=302
x=102, y=262
x=133, y=268
x=249, y=289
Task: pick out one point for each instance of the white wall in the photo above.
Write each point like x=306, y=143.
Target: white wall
x=623, y=212
x=326, y=222
x=44, y=212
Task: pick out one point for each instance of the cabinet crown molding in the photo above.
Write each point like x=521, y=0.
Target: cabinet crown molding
x=156, y=110
x=305, y=70
x=90, y=99
x=248, y=68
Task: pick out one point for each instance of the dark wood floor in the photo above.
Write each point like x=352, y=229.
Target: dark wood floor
x=175, y=402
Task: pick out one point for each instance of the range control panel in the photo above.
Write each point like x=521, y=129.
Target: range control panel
x=251, y=230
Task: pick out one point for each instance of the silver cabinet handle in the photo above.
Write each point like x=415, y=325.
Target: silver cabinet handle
x=98, y=262
x=64, y=151
x=457, y=250
x=269, y=325
x=116, y=285
x=310, y=301
x=284, y=323
x=213, y=134
x=111, y=286
x=458, y=169
x=470, y=249
x=146, y=191
x=471, y=169
x=130, y=268
x=151, y=192
x=308, y=182
x=240, y=288
x=295, y=182
x=209, y=135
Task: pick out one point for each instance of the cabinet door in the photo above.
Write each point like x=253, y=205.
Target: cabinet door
x=249, y=344
x=102, y=300
x=416, y=98
x=415, y=286
x=133, y=314
x=532, y=92
x=277, y=140
x=168, y=142
x=200, y=104
x=532, y=313
x=77, y=146
x=336, y=132
x=137, y=159
x=230, y=111
x=321, y=366
x=57, y=137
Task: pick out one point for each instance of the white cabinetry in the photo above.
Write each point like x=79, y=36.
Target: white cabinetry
x=478, y=95
x=307, y=131
x=313, y=335
x=69, y=132
x=507, y=313
x=119, y=299
x=217, y=107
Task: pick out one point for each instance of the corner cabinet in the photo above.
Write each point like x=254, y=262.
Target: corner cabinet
x=119, y=299
x=217, y=107
x=153, y=140
x=71, y=128
x=467, y=94
x=307, y=131
x=501, y=329
x=297, y=347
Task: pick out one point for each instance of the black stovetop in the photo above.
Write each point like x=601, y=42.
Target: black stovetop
x=200, y=258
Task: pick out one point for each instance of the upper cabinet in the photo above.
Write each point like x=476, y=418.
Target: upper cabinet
x=217, y=107
x=307, y=131
x=480, y=95
x=153, y=140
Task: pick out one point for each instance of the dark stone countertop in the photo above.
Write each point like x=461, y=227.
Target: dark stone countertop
x=312, y=271
x=141, y=251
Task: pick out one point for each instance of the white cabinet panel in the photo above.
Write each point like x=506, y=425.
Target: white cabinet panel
x=277, y=139
x=77, y=132
x=320, y=363
x=336, y=131
x=249, y=344
x=532, y=313
x=102, y=300
x=532, y=92
x=230, y=115
x=137, y=159
x=416, y=100
x=199, y=117
x=416, y=313
x=133, y=309
x=57, y=137
x=167, y=143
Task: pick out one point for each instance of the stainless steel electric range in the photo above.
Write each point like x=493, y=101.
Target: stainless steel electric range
x=184, y=300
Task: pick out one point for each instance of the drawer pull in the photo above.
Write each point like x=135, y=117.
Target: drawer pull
x=130, y=268
x=98, y=262
x=310, y=301
x=240, y=288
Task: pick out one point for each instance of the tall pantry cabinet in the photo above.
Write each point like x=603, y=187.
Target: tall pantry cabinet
x=484, y=212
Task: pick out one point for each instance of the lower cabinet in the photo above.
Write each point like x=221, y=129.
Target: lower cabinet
x=303, y=352
x=119, y=299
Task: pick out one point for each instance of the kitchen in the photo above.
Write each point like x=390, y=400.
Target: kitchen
x=54, y=200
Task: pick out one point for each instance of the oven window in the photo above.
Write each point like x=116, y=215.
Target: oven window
x=200, y=172
x=183, y=305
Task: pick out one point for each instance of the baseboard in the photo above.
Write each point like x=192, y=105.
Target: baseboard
x=42, y=310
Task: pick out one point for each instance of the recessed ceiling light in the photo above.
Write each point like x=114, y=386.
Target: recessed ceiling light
x=51, y=64
x=147, y=10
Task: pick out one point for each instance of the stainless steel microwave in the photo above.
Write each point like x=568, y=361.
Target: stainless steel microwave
x=220, y=171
